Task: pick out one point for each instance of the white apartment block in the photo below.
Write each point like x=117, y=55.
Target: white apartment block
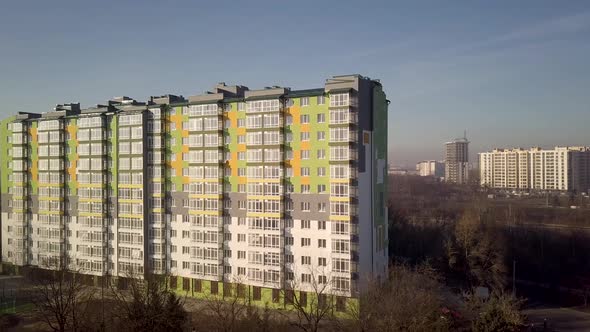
x=562, y=168
x=431, y=168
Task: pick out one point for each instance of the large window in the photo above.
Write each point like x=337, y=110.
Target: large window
x=340, y=99
x=210, y=124
x=272, y=137
x=255, y=155
x=254, y=121
x=339, y=116
x=340, y=246
x=271, y=120
x=339, y=134
x=339, y=172
x=340, y=227
x=254, y=138
x=200, y=110
x=339, y=153
x=339, y=189
x=339, y=208
x=211, y=140
x=262, y=106
x=272, y=155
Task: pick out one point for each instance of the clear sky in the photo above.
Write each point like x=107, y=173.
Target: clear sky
x=512, y=73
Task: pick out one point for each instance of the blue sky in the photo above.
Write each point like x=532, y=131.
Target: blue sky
x=512, y=73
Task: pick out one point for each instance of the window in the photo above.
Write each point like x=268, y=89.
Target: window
x=306, y=278
x=254, y=121
x=321, y=188
x=321, y=100
x=339, y=208
x=322, y=261
x=305, y=224
x=339, y=153
x=339, y=172
x=272, y=155
x=305, y=188
x=304, y=136
x=289, y=240
x=321, y=243
x=339, y=189
x=255, y=155
x=340, y=227
x=306, y=260
x=254, y=138
x=262, y=106
x=306, y=242
x=305, y=171
x=339, y=134
x=339, y=99
x=321, y=154
x=322, y=224
x=340, y=265
x=305, y=154
x=321, y=171
x=272, y=137
x=304, y=118
x=271, y=120
x=340, y=246
x=304, y=101
x=305, y=206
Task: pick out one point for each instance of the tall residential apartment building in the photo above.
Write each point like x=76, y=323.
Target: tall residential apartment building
x=271, y=187
x=431, y=168
x=457, y=161
x=562, y=168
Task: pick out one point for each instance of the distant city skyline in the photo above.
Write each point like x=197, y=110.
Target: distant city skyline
x=510, y=73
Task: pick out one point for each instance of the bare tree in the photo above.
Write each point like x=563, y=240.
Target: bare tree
x=233, y=310
x=229, y=308
x=410, y=300
x=147, y=304
x=475, y=252
x=311, y=299
x=59, y=294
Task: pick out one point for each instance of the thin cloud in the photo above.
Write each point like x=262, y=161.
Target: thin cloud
x=548, y=28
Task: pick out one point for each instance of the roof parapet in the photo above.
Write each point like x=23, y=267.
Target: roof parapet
x=269, y=92
x=230, y=91
x=166, y=99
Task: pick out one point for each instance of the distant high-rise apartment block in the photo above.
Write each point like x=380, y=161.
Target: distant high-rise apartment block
x=457, y=161
x=265, y=186
x=431, y=168
x=562, y=168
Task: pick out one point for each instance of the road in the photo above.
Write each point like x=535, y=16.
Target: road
x=559, y=319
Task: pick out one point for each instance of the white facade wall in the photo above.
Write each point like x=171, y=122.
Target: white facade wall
x=534, y=169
